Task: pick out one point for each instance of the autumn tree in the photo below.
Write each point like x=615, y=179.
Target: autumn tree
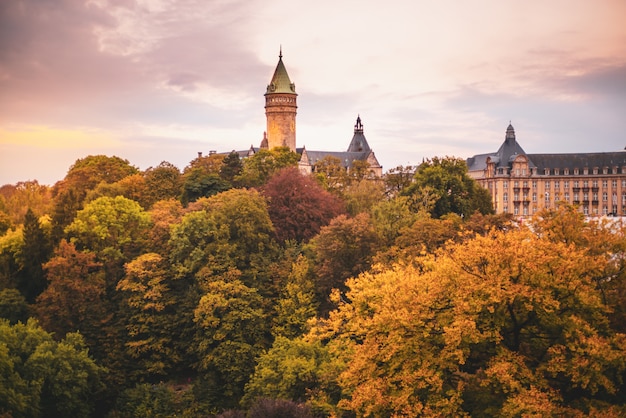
x=507, y=324
x=298, y=206
x=341, y=250
x=13, y=306
x=260, y=167
x=84, y=175
x=445, y=183
x=151, y=323
x=163, y=182
x=74, y=298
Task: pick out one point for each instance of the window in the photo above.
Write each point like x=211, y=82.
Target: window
x=516, y=183
x=547, y=185
x=605, y=170
x=614, y=198
x=595, y=196
x=614, y=184
x=605, y=196
x=623, y=184
x=534, y=197
x=525, y=210
x=566, y=184
x=506, y=209
x=505, y=184
x=605, y=210
x=586, y=210
x=605, y=184
x=516, y=197
x=516, y=210
x=557, y=184
x=576, y=183
x=585, y=183
x=575, y=171
x=567, y=196
x=547, y=197
x=505, y=196
x=595, y=183
x=566, y=171
x=576, y=196
x=525, y=184
x=586, y=197
x=535, y=184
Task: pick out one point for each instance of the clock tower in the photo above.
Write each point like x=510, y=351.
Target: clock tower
x=280, y=109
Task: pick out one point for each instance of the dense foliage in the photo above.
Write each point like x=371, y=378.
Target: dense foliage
x=243, y=288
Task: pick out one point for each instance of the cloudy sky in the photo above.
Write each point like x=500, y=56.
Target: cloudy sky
x=160, y=80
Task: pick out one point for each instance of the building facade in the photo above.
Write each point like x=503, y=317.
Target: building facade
x=280, y=113
x=522, y=184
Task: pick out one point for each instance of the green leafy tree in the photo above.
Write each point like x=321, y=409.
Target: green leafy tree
x=44, y=378
x=13, y=306
x=11, y=259
x=36, y=250
x=231, y=168
x=363, y=195
x=115, y=228
x=202, y=178
x=397, y=179
x=296, y=304
x=232, y=332
x=445, y=183
x=291, y=370
x=259, y=168
x=298, y=206
x=15, y=200
x=83, y=176
x=331, y=174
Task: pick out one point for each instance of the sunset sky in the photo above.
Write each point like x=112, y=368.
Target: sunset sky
x=159, y=80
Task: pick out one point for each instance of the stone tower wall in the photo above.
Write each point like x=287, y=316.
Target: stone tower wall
x=280, y=112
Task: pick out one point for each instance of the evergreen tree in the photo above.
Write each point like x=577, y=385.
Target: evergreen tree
x=35, y=251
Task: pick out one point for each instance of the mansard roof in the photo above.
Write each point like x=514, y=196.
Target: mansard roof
x=579, y=160
x=510, y=149
x=280, y=80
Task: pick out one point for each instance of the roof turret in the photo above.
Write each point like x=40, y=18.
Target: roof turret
x=358, y=143
x=280, y=81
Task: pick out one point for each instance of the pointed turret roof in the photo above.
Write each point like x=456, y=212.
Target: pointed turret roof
x=280, y=81
x=358, y=143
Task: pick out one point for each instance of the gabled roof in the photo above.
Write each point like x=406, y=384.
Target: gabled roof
x=347, y=158
x=280, y=80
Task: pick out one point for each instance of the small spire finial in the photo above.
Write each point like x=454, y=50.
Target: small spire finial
x=280, y=54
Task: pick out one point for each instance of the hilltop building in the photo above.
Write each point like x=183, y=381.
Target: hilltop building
x=523, y=184
x=280, y=111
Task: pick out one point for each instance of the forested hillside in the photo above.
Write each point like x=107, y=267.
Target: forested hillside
x=241, y=288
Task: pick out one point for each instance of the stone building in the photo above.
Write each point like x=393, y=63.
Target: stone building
x=523, y=184
x=280, y=112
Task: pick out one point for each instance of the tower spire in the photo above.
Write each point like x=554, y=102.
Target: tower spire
x=280, y=53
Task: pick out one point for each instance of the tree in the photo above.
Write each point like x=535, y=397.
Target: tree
x=331, y=174
x=115, y=228
x=508, y=324
x=35, y=251
x=231, y=167
x=151, y=324
x=343, y=249
x=363, y=195
x=44, y=378
x=452, y=190
x=298, y=206
x=74, y=299
x=296, y=304
x=164, y=214
x=232, y=332
x=397, y=179
x=163, y=182
x=13, y=306
x=258, y=168
x=84, y=175
x=290, y=370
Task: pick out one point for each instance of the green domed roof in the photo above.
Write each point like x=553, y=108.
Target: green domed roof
x=280, y=81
